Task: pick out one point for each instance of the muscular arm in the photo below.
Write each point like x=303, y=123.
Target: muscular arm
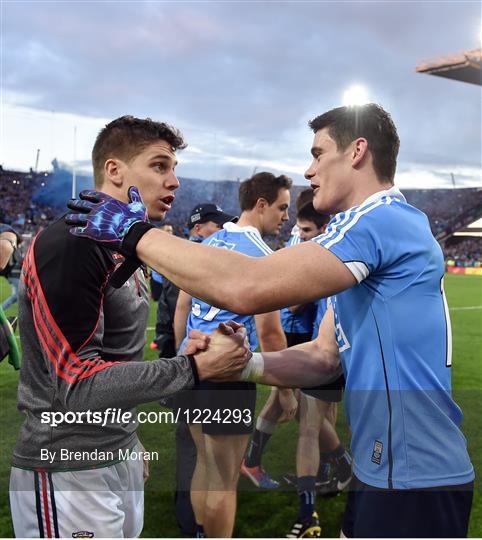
x=242, y=284
x=270, y=332
x=183, y=307
x=305, y=365
x=272, y=338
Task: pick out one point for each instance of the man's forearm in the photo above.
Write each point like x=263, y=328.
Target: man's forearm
x=181, y=314
x=301, y=366
x=243, y=284
x=127, y=384
x=189, y=265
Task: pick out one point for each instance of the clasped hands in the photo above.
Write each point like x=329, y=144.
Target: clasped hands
x=222, y=355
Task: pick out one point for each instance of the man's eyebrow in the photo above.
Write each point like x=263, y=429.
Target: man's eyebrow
x=315, y=150
x=163, y=157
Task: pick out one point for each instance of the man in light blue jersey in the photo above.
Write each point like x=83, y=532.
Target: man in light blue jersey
x=384, y=269
x=221, y=436
x=282, y=404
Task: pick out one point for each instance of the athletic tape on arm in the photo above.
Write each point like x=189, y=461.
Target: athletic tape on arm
x=255, y=368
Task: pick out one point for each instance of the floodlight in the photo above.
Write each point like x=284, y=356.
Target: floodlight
x=355, y=95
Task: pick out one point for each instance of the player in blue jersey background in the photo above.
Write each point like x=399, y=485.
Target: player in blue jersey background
x=221, y=441
x=321, y=460
x=384, y=270
x=282, y=404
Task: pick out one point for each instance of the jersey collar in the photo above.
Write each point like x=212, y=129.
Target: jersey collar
x=392, y=192
x=232, y=227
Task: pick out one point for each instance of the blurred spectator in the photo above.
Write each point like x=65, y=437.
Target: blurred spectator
x=9, y=239
x=10, y=265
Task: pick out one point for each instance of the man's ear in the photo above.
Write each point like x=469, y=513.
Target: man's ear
x=113, y=172
x=261, y=204
x=359, y=151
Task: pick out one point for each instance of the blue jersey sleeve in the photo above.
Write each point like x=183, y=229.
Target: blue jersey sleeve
x=367, y=239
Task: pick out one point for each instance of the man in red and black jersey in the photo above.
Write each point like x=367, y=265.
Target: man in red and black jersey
x=82, y=342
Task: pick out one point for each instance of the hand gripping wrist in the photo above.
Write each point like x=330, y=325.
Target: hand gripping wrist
x=134, y=234
x=255, y=368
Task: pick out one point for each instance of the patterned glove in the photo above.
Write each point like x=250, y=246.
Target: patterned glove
x=114, y=224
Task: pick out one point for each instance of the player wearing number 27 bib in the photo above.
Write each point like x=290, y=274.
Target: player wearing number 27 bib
x=246, y=240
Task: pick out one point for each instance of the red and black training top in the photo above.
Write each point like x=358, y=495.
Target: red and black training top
x=82, y=344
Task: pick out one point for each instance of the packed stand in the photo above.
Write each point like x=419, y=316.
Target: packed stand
x=17, y=207
x=29, y=213
x=464, y=252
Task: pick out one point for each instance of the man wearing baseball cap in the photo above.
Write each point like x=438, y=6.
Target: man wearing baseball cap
x=207, y=218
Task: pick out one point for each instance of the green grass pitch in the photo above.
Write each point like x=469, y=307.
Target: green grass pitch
x=270, y=514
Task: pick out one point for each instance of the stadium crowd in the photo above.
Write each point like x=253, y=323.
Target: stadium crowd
x=21, y=206
x=17, y=206
x=464, y=251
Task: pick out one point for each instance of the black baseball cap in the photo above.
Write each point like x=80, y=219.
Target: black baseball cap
x=209, y=212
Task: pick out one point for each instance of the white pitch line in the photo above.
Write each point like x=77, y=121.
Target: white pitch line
x=464, y=308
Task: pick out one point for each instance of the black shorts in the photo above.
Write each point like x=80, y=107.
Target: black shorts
x=221, y=408
x=331, y=392
x=441, y=512
x=293, y=338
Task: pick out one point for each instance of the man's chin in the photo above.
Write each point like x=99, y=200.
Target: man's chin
x=156, y=215
x=320, y=206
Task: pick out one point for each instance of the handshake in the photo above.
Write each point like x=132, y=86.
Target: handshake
x=221, y=356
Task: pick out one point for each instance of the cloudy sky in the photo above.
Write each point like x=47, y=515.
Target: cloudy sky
x=240, y=79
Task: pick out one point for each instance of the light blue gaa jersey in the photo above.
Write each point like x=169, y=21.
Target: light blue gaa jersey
x=157, y=277
x=393, y=333
x=321, y=306
x=206, y=318
x=294, y=237
x=296, y=323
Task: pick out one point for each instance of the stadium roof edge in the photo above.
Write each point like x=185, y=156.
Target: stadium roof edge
x=464, y=67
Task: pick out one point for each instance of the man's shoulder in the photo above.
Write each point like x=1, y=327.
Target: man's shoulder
x=379, y=217
x=253, y=243
x=56, y=245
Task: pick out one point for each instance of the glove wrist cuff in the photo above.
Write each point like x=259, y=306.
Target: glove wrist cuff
x=135, y=233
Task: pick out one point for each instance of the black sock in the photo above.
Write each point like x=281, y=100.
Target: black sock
x=200, y=531
x=256, y=447
x=335, y=454
x=307, y=496
x=341, y=460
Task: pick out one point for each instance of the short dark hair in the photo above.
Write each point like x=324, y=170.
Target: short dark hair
x=261, y=185
x=307, y=212
x=370, y=121
x=126, y=137
x=304, y=196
